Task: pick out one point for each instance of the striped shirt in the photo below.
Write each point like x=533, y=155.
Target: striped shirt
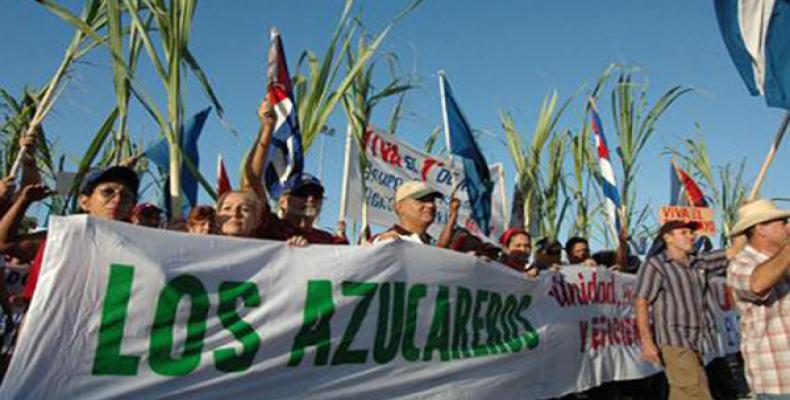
x=765, y=326
x=676, y=294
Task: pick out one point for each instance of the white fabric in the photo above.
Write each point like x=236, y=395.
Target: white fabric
x=753, y=17
x=584, y=336
x=391, y=161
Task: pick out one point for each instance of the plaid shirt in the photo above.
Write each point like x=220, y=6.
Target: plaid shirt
x=765, y=326
x=677, y=295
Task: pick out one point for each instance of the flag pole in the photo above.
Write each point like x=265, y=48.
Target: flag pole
x=505, y=211
x=446, y=122
x=346, y=169
x=769, y=158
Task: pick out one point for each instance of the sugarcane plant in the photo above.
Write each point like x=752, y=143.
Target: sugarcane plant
x=361, y=98
x=727, y=187
x=527, y=160
x=171, y=23
x=635, y=123
x=316, y=91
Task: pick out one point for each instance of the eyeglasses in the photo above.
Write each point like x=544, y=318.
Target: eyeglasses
x=108, y=193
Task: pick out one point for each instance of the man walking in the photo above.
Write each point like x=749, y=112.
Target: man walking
x=760, y=277
x=671, y=287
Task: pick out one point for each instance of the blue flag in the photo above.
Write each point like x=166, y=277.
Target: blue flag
x=160, y=155
x=462, y=144
x=757, y=36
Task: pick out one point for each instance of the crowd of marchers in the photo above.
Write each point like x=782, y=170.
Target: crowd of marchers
x=674, y=322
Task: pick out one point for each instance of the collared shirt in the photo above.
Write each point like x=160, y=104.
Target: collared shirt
x=765, y=325
x=677, y=296
x=404, y=234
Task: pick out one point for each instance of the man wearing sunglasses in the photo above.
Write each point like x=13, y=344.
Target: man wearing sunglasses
x=300, y=204
x=300, y=199
x=109, y=193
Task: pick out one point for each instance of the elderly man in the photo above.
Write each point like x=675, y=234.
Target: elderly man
x=760, y=277
x=415, y=206
x=671, y=286
x=110, y=193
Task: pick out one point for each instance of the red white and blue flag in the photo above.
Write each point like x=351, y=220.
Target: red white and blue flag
x=284, y=161
x=608, y=183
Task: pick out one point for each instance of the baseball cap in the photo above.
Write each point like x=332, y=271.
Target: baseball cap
x=415, y=190
x=670, y=226
x=116, y=173
x=303, y=183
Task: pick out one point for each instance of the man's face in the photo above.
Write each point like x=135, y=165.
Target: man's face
x=579, y=253
x=238, y=215
x=419, y=212
x=304, y=202
x=681, y=239
x=777, y=232
x=111, y=200
x=521, y=243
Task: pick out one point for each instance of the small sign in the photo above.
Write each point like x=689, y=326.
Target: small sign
x=703, y=215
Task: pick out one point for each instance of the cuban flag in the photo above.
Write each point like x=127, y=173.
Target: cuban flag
x=757, y=36
x=284, y=161
x=608, y=183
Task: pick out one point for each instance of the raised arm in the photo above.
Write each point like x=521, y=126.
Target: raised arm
x=447, y=233
x=252, y=180
x=22, y=246
x=766, y=275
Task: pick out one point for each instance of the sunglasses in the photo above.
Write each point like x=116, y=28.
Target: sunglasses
x=108, y=193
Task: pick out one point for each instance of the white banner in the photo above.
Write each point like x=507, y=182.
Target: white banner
x=391, y=161
x=128, y=312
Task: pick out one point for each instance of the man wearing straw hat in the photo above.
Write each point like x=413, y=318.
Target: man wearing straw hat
x=671, y=287
x=760, y=277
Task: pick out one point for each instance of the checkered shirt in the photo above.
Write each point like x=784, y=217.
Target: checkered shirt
x=765, y=326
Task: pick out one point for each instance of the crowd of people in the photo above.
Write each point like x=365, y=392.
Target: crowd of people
x=672, y=320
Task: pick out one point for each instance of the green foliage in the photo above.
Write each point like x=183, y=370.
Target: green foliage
x=316, y=92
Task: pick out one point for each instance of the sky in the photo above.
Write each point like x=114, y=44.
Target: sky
x=498, y=55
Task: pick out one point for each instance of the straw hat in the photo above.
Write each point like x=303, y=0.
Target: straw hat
x=757, y=212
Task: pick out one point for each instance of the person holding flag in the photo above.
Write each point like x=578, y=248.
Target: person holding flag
x=277, y=158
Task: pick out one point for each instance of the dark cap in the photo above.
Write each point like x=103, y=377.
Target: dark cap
x=670, y=226
x=141, y=208
x=302, y=182
x=111, y=174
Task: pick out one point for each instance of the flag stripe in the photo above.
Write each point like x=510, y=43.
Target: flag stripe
x=608, y=182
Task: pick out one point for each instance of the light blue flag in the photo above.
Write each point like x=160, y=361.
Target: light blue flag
x=757, y=35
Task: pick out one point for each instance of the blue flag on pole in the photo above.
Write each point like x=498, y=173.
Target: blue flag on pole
x=461, y=143
x=757, y=35
x=159, y=155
